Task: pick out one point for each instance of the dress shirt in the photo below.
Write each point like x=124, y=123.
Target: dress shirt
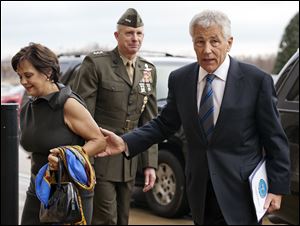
x=218, y=85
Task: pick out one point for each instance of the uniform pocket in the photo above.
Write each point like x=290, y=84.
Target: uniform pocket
x=111, y=95
x=112, y=86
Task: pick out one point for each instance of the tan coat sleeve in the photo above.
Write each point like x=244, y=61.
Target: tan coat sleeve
x=86, y=83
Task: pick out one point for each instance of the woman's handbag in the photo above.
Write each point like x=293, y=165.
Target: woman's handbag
x=64, y=205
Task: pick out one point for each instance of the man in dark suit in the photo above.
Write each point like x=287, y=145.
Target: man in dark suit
x=228, y=112
x=119, y=88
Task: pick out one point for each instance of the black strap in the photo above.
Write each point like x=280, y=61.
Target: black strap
x=59, y=172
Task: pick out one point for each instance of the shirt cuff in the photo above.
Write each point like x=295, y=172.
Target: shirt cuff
x=126, y=151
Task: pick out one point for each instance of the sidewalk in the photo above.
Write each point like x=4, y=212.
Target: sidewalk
x=24, y=178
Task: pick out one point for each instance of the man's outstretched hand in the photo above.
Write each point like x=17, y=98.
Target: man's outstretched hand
x=115, y=144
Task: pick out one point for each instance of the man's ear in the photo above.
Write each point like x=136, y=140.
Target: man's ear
x=116, y=34
x=229, y=43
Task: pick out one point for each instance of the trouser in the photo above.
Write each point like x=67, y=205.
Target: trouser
x=30, y=215
x=112, y=202
x=212, y=214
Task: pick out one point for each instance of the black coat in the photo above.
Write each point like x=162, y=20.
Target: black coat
x=248, y=122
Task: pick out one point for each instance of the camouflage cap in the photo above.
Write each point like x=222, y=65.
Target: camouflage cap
x=131, y=18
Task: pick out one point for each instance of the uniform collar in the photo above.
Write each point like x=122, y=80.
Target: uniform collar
x=125, y=60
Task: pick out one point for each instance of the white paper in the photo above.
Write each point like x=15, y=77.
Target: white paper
x=259, y=187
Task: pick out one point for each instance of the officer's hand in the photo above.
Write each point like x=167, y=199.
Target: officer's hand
x=150, y=177
x=115, y=144
x=272, y=202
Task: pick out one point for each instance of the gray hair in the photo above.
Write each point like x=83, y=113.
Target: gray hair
x=209, y=18
x=118, y=27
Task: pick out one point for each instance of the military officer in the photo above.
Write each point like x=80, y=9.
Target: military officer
x=119, y=88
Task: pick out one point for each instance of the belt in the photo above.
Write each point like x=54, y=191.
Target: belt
x=129, y=125
x=117, y=124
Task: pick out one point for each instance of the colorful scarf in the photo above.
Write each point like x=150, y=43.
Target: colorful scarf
x=80, y=172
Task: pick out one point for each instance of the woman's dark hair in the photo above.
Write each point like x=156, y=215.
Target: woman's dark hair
x=41, y=58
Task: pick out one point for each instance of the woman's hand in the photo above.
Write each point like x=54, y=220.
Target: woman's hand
x=53, y=159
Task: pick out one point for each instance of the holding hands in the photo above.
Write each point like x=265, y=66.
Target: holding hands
x=115, y=144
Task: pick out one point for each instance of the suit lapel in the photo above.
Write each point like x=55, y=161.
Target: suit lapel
x=233, y=88
x=191, y=94
x=191, y=89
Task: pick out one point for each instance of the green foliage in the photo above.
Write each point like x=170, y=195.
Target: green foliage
x=288, y=45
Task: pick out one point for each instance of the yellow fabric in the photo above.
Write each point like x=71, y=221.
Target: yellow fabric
x=89, y=170
x=78, y=150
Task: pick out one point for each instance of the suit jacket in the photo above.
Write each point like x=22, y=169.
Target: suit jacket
x=248, y=122
x=116, y=104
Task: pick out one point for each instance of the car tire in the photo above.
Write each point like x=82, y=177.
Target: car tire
x=168, y=197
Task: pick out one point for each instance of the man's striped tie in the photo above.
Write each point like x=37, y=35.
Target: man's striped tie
x=206, y=110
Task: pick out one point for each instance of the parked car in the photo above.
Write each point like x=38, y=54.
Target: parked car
x=287, y=87
x=5, y=87
x=168, y=197
x=12, y=94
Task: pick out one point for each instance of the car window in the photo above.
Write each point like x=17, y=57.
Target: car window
x=5, y=88
x=293, y=95
x=288, y=88
x=70, y=76
x=68, y=68
x=68, y=63
x=64, y=66
x=290, y=67
x=163, y=71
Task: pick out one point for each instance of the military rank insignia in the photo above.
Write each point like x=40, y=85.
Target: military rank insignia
x=97, y=52
x=145, y=83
